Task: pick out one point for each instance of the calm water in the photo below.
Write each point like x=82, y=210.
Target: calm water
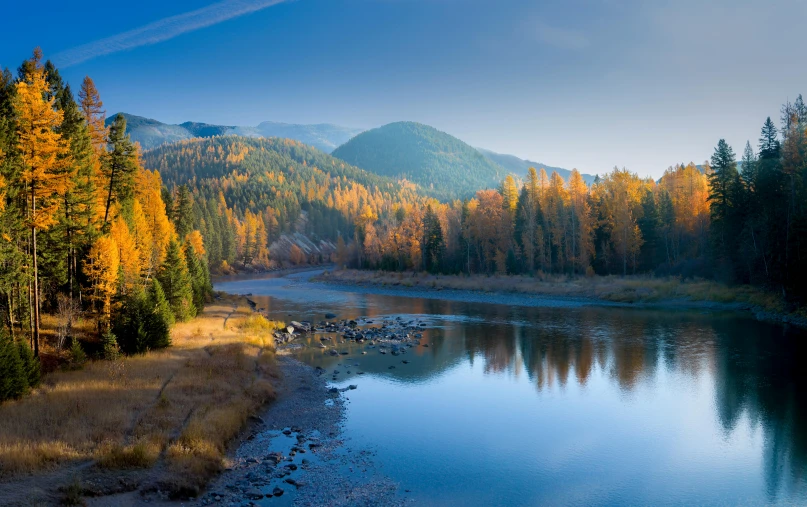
x=513, y=405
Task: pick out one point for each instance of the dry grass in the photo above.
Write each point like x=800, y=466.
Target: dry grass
x=630, y=289
x=182, y=404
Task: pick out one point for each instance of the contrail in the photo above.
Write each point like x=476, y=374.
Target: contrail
x=164, y=29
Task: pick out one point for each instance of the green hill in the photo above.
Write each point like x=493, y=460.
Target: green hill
x=153, y=133
x=442, y=165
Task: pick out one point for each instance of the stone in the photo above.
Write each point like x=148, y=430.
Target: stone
x=254, y=494
x=277, y=491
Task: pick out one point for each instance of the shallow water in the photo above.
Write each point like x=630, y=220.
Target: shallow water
x=567, y=404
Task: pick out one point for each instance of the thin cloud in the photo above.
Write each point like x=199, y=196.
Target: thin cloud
x=561, y=38
x=162, y=30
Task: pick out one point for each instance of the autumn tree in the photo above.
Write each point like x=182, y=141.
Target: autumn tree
x=101, y=268
x=45, y=160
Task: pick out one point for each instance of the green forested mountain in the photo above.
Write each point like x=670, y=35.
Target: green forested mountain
x=443, y=165
x=519, y=167
x=246, y=192
x=152, y=133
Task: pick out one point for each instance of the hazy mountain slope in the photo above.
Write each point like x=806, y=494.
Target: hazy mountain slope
x=152, y=133
x=443, y=165
x=519, y=167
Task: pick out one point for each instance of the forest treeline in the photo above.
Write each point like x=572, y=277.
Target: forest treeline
x=715, y=221
x=84, y=230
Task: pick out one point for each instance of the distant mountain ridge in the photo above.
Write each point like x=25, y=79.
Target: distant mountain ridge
x=152, y=133
x=441, y=164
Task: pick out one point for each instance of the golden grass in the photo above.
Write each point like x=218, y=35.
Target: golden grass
x=630, y=289
x=182, y=404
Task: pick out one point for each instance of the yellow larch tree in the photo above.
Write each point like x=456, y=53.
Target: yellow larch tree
x=101, y=267
x=45, y=161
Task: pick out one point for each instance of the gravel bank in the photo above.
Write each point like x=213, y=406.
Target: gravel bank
x=296, y=454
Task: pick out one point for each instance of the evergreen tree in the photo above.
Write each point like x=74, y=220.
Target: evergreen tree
x=32, y=372
x=176, y=282
x=433, y=245
x=13, y=377
x=142, y=323
x=649, y=224
x=724, y=199
x=159, y=304
x=749, y=166
x=183, y=212
x=119, y=166
x=198, y=281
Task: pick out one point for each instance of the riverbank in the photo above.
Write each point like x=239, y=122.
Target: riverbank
x=635, y=292
x=158, y=424
x=297, y=452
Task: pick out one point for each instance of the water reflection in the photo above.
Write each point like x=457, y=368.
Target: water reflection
x=753, y=369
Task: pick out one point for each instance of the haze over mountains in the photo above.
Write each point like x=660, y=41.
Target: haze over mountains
x=153, y=133
x=444, y=166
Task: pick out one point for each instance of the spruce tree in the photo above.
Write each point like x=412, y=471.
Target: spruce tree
x=176, y=282
x=725, y=197
x=159, y=303
x=433, y=245
x=120, y=165
x=183, y=212
x=195, y=271
x=32, y=371
x=13, y=377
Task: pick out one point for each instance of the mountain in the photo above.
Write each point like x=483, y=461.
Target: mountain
x=152, y=133
x=519, y=167
x=442, y=165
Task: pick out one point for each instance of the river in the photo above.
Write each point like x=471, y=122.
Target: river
x=564, y=403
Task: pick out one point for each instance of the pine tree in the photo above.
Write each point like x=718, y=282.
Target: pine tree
x=13, y=377
x=176, y=283
x=183, y=212
x=433, y=244
x=159, y=304
x=195, y=271
x=31, y=369
x=724, y=197
x=749, y=166
x=119, y=166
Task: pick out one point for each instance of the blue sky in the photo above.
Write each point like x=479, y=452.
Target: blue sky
x=587, y=84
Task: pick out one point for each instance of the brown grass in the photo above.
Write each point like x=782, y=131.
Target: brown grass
x=181, y=405
x=630, y=289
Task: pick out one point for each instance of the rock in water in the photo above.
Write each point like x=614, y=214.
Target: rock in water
x=277, y=492
x=254, y=494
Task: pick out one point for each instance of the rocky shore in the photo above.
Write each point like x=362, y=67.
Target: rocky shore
x=296, y=454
